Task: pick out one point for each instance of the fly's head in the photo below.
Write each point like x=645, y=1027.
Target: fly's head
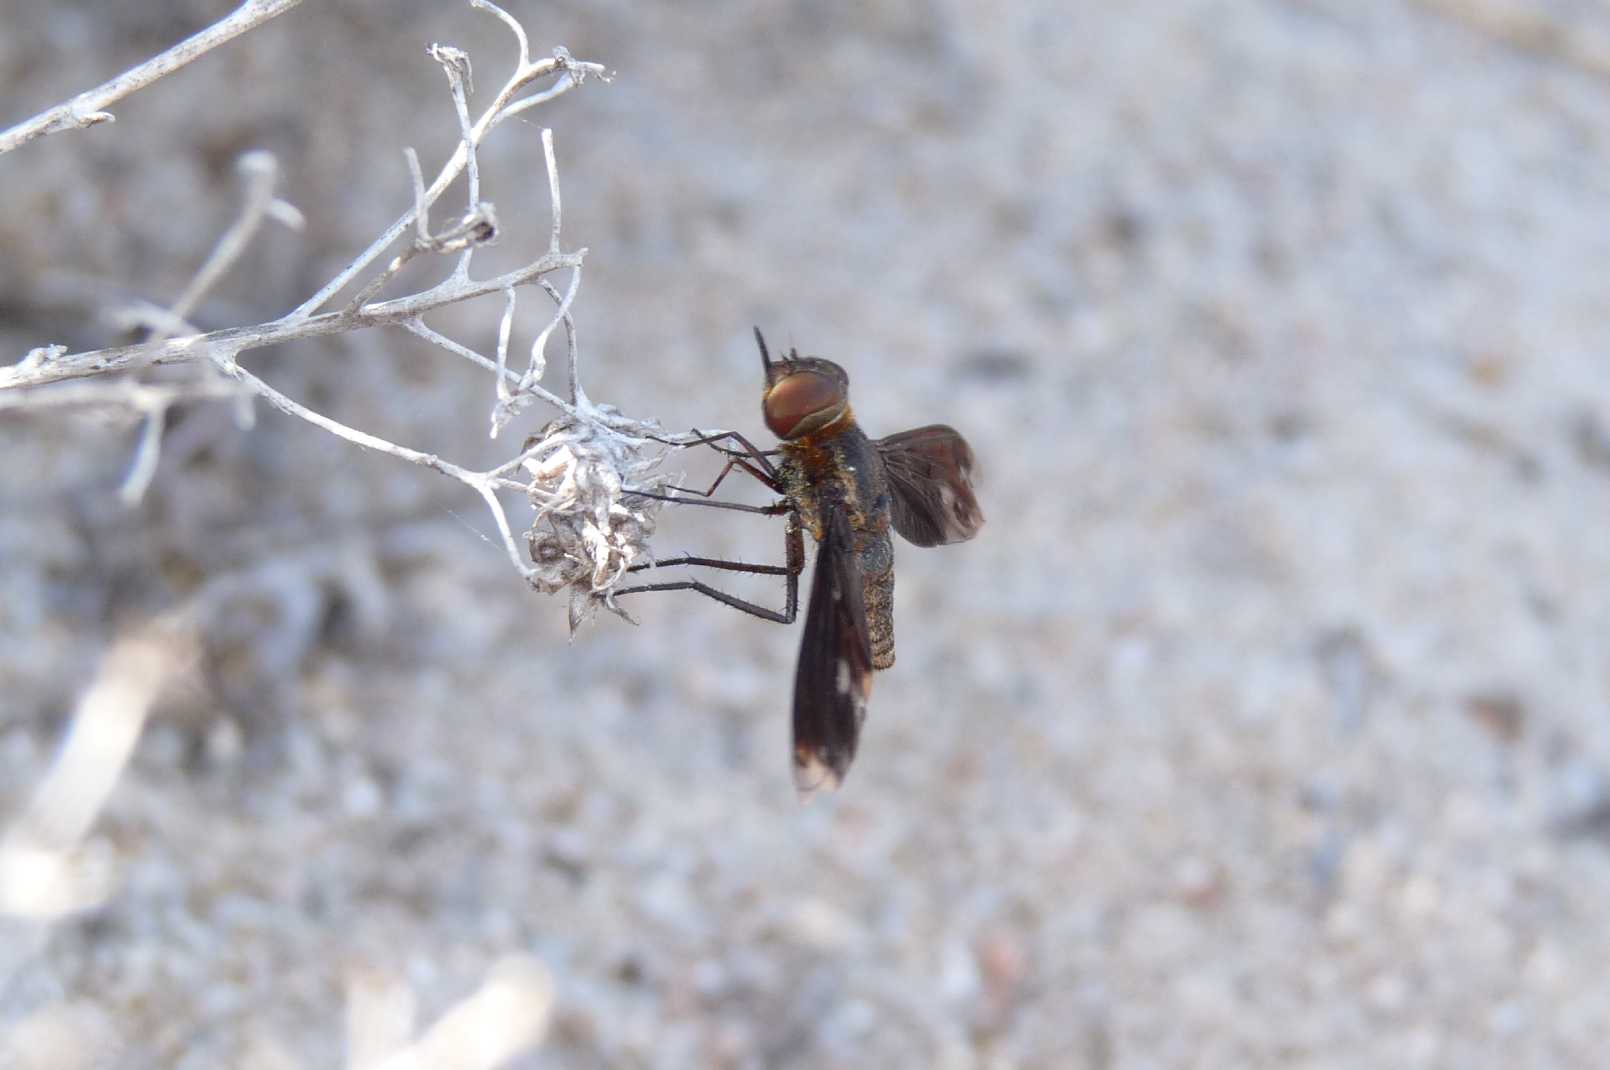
x=803, y=394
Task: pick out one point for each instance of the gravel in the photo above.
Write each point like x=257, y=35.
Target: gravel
x=1263, y=725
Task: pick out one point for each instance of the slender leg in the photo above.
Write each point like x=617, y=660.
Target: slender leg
x=785, y=617
x=748, y=452
x=713, y=562
x=747, y=448
x=752, y=460
x=774, y=509
x=739, y=462
x=794, y=552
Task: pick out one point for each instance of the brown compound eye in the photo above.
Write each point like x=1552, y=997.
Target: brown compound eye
x=798, y=397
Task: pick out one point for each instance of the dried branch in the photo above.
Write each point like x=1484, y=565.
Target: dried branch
x=581, y=474
x=571, y=73
x=381, y=1008
x=506, y=1016
x=88, y=108
x=260, y=171
x=1521, y=26
x=484, y=483
x=42, y=366
x=44, y=873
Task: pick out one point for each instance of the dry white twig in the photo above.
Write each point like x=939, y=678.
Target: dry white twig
x=48, y=364
x=88, y=108
x=571, y=73
x=381, y=1009
x=73, y=1034
x=47, y=869
x=506, y=1016
x=578, y=475
x=45, y=365
x=260, y=171
x=1530, y=28
x=589, y=527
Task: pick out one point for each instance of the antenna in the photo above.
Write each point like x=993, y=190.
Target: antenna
x=765, y=357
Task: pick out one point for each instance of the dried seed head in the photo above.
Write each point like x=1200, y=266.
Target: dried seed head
x=588, y=529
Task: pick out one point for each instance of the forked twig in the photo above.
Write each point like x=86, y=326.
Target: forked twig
x=577, y=473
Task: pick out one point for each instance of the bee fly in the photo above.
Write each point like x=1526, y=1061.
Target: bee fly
x=847, y=490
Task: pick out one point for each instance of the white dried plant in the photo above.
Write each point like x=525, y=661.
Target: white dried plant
x=50, y=866
x=508, y=1015
x=589, y=530
x=577, y=474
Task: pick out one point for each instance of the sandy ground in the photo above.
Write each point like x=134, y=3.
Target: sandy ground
x=1264, y=724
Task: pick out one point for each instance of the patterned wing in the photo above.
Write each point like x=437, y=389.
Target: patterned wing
x=930, y=472
x=834, y=677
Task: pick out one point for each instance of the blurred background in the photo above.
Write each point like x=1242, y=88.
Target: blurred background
x=1265, y=723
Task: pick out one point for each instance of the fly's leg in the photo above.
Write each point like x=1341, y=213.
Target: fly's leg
x=794, y=554
x=745, y=447
x=774, y=509
x=756, y=463
x=748, y=457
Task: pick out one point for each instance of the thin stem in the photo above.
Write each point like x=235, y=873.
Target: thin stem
x=88, y=108
x=240, y=339
x=117, y=393
x=484, y=483
x=144, y=468
x=435, y=338
x=456, y=64
x=514, y=27
x=599, y=446
x=539, y=348
x=571, y=357
x=552, y=165
x=524, y=76
x=505, y=326
x=489, y=494
x=260, y=170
